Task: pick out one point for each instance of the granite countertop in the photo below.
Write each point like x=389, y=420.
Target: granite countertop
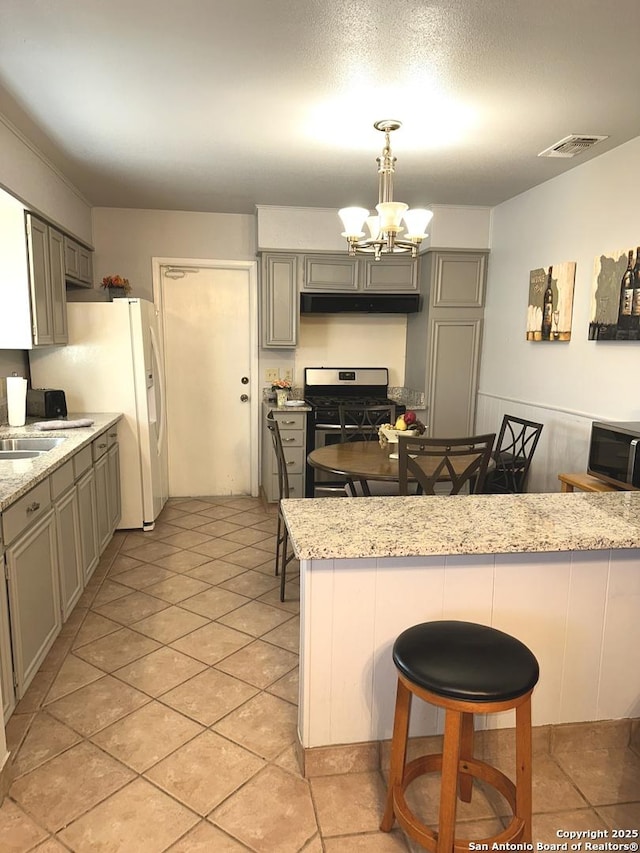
x=19, y=475
x=349, y=528
x=272, y=407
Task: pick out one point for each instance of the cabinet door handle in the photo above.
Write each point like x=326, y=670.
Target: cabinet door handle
x=104, y=444
x=113, y=435
x=288, y=439
x=291, y=462
x=288, y=423
x=34, y=507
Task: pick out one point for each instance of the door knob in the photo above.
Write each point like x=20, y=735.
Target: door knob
x=244, y=398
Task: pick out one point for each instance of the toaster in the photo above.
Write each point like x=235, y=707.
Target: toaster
x=46, y=403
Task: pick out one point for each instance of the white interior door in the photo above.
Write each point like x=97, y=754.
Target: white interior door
x=207, y=353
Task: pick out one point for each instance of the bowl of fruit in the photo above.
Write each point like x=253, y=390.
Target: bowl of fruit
x=407, y=424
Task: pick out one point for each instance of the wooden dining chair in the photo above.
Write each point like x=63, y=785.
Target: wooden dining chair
x=360, y=423
x=456, y=461
x=282, y=535
x=517, y=441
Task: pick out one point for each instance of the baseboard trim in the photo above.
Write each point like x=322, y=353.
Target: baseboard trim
x=374, y=755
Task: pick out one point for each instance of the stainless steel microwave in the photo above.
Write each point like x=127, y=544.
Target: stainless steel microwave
x=614, y=453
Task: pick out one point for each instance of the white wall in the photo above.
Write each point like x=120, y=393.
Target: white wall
x=26, y=173
x=590, y=210
x=126, y=240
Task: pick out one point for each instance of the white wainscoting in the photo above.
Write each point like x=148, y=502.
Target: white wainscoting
x=564, y=442
x=577, y=612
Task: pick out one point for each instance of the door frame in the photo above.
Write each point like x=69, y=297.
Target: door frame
x=254, y=401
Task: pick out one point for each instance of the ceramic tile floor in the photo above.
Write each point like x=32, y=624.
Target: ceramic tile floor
x=164, y=716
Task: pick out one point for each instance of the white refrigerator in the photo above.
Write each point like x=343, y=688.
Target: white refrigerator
x=113, y=363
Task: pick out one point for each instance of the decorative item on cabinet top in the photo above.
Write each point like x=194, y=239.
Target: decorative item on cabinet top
x=116, y=286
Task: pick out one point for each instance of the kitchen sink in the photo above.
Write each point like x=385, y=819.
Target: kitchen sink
x=31, y=445
x=20, y=454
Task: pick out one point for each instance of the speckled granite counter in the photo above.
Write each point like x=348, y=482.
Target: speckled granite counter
x=20, y=475
x=348, y=528
x=272, y=407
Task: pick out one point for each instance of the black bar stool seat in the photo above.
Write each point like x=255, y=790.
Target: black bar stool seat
x=466, y=669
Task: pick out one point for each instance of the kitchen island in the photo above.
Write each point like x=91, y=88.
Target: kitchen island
x=559, y=571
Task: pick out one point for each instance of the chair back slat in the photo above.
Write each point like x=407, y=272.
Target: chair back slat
x=516, y=444
x=360, y=423
x=432, y=461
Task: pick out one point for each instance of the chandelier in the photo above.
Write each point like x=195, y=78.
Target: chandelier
x=385, y=228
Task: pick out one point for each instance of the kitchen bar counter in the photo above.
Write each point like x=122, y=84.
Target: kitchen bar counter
x=19, y=475
x=559, y=571
x=348, y=528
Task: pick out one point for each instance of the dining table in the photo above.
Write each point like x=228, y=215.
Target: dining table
x=371, y=460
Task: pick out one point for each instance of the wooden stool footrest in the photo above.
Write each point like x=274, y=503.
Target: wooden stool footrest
x=472, y=767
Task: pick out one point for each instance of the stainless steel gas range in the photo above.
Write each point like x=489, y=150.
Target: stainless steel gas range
x=325, y=388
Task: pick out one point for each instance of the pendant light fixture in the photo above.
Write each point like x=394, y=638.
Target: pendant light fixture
x=386, y=227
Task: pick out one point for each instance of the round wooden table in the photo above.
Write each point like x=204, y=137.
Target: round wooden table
x=367, y=460
x=357, y=460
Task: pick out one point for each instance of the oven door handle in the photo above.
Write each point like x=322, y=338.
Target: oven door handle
x=329, y=427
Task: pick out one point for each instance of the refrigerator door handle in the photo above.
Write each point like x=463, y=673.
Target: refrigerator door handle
x=160, y=383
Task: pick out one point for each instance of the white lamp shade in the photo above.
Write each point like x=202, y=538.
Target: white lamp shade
x=391, y=215
x=373, y=224
x=416, y=221
x=353, y=219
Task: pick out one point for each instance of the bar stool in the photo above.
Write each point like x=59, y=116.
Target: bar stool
x=466, y=669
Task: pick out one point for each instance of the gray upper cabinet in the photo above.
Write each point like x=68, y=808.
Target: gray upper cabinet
x=46, y=282
x=444, y=339
x=344, y=274
x=458, y=279
x=285, y=275
x=329, y=273
x=279, y=301
x=389, y=275
x=78, y=263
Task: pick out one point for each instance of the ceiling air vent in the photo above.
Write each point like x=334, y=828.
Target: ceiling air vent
x=571, y=145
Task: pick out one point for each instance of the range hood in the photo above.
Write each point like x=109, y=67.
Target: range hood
x=359, y=303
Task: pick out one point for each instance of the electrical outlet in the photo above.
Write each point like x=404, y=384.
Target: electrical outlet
x=288, y=374
x=271, y=374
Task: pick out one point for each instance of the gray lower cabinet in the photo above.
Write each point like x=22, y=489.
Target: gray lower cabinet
x=293, y=434
x=444, y=339
x=32, y=574
x=88, y=523
x=103, y=520
x=6, y=659
x=113, y=483
x=51, y=549
x=65, y=497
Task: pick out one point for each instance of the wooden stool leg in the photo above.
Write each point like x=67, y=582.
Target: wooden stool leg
x=524, y=803
x=398, y=751
x=465, y=781
x=449, y=784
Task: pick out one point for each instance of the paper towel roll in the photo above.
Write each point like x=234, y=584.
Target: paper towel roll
x=16, y=400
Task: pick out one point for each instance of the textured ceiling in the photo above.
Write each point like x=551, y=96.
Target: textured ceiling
x=218, y=106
